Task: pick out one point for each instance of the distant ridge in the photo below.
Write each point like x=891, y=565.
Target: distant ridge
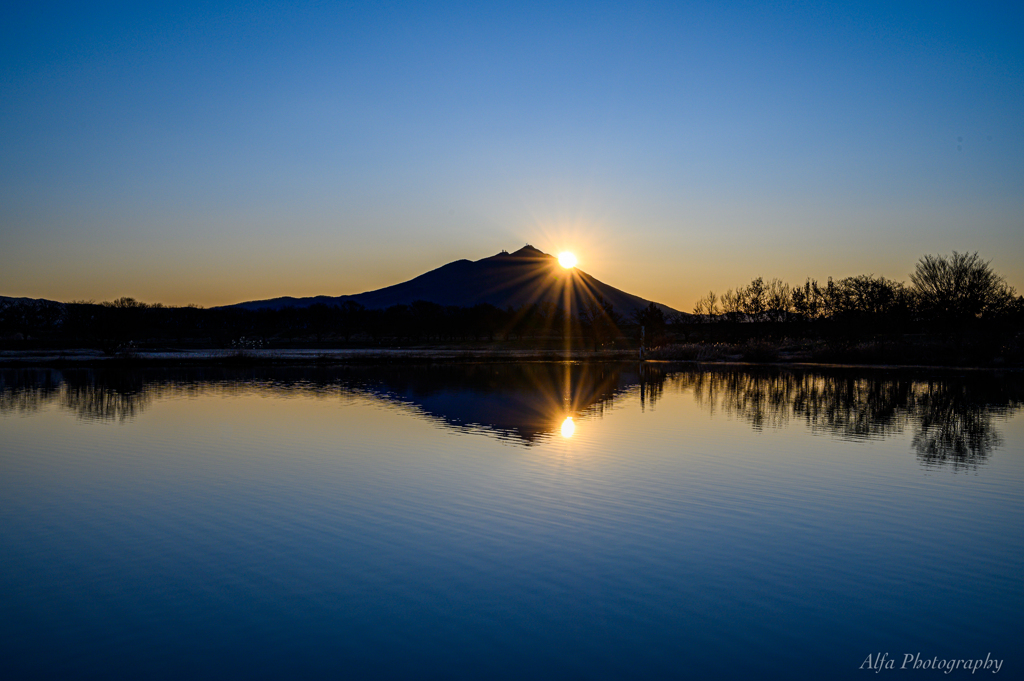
x=27, y=301
x=504, y=280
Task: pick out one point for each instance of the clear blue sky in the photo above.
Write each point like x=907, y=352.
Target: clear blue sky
x=219, y=152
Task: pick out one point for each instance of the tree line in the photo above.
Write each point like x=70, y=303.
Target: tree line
x=957, y=292
x=126, y=322
x=954, y=289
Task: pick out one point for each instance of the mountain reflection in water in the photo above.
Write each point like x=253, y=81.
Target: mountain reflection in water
x=950, y=416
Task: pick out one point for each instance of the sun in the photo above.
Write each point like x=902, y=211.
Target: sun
x=567, y=260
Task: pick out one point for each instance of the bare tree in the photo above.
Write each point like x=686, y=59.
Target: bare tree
x=732, y=302
x=779, y=299
x=124, y=303
x=867, y=294
x=807, y=299
x=960, y=286
x=754, y=297
x=708, y=305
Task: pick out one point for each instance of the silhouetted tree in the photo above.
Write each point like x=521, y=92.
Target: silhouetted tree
x=350, y=317
x=599, y=320
x=807, y=299
x=427, y=318
x=708, y=305
x=528, y=320
x=960, y=286
x=652, y=318
x=732, y=302
x=124, y=303
x=555, y=320
x=754, y=297
x=778, y=299
x=319, y=319
x=871, y=298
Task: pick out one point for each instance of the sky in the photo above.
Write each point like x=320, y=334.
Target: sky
x=213, y=152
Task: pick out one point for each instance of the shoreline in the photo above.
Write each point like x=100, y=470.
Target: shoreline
x=83, y=358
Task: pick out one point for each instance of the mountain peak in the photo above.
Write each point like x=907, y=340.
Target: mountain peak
x=526, y=251
x=530, y=251
x=506, y=280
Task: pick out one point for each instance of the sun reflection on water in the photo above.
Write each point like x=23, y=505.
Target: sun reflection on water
x=568, y=427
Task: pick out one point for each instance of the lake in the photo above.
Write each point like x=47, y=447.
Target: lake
x=564, y=521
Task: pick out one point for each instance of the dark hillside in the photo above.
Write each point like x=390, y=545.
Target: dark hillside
x=505, y=280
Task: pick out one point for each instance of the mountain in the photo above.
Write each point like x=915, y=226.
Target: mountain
x=503, y=280
x=8, y=300
x=521, y=401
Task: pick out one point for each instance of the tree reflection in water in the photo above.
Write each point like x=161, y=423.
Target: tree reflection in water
x=955, y=428
x=28, y=390
x=951, y=416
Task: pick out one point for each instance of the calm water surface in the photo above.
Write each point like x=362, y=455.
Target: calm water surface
x=540, y=521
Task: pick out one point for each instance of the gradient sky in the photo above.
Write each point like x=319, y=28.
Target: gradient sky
x=218, y=152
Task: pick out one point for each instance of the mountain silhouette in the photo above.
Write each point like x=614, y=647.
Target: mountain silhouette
x=504, y=280
x=523, y=402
